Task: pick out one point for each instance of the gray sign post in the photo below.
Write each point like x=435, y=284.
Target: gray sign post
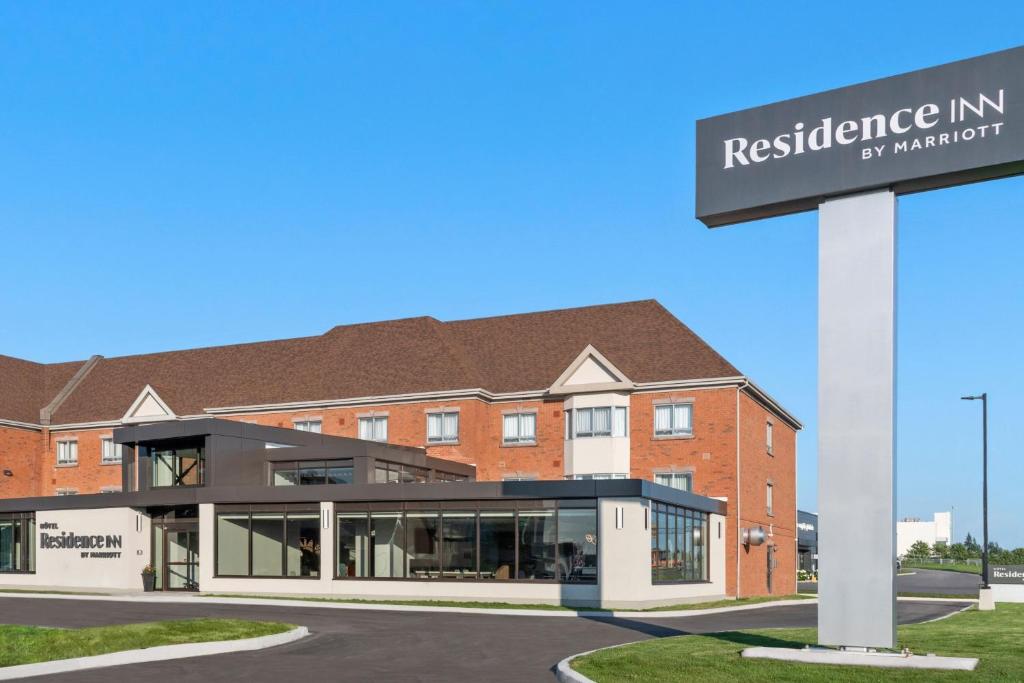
x=849, y=153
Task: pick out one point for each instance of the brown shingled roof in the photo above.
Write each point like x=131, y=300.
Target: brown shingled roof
x=413, y=355
x=27, y=387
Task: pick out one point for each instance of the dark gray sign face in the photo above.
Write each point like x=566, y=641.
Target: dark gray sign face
x=947, y=125
x=1006, y=573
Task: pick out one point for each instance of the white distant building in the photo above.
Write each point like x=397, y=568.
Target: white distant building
x=910, y=530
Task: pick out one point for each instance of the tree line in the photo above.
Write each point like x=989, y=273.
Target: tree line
x=968, y=550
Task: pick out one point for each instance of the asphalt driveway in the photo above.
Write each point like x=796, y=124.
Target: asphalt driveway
x=932, y=581
x=361, y=645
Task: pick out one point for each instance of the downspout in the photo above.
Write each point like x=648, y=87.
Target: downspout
x=739, y=531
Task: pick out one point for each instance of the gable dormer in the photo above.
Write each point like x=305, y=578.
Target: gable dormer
x=148, y=407
x=590, y=372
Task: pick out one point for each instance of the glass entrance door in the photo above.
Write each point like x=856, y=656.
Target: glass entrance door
x=176, y=556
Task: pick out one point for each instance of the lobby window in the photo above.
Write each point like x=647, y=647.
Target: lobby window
x=531, y=541
x=314, y=426
x=674, y=419
x=177, y=465
x=768, y=437
x=519, y=428
x=277, y=541
x=110, y=452
x=67, y=452
x=678, y=544
x=768, y=496
x=443, y=427
x=596, y=422
x=677, y=480
x=17, y=542
x=311, y=472
x=373, y=428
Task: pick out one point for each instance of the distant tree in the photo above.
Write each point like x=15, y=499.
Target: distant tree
x=973, y=547
x=958, y=552
x=919, y=550
x=940, y=549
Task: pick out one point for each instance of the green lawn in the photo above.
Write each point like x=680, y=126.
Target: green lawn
x=964, y=568
x=994, y=637
x=510, y=605
x=29, y=644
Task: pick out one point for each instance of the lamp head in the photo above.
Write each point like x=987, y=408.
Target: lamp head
x=969, y=398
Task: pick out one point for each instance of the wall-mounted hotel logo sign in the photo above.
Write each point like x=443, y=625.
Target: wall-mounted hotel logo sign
x=943, y=126
x=1006, y=573
x=91, y=546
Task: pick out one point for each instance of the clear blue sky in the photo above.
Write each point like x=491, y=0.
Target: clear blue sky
x=176, y=175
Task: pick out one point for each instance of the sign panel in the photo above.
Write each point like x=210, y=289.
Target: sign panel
x=1006, y=573
x=943, y=126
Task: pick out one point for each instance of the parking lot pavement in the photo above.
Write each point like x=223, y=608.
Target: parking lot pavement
x=351, y=645
x=925, y=581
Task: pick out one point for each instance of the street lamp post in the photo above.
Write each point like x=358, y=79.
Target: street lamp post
x=984, y=483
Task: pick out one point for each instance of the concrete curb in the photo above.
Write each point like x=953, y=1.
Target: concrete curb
x=274, y=602
x=151, y=654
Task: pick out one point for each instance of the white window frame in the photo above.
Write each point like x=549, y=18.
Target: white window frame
x=67, y=453
x=673, y=476
x=371, y=422
x=517, y=418
x=444, y=437
x=313, y=425
x=115, y=449
x=618, y=422
x=597, y=476
x=769, y=496
x=769, y=436
x=67, y=492
x=674, y=430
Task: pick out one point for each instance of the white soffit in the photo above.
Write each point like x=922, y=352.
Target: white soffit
x=591, y=371
x=148, y=407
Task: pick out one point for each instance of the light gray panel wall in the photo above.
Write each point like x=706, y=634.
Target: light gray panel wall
x=856, y=414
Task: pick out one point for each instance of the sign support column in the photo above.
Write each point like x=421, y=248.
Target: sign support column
x=856, y=418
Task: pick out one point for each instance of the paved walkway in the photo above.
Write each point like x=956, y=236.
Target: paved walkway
x=355, y=645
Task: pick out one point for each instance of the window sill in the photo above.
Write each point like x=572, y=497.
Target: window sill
x=108, y=464
x=672, y=437
x=528, y=444
x=442, y=443
x=770, y=513
x=64, y=465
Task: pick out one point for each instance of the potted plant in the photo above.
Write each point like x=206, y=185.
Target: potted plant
x=148, y=578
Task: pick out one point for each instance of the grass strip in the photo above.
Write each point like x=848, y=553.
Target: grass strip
x=32, y=644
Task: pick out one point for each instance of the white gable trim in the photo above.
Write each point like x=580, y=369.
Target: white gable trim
x=148, y=407
x=591, y=361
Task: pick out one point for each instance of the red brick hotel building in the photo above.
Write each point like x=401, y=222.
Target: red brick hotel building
x=603, y=392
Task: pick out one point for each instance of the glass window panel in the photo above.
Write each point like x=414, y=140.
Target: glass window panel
x=8, y=554
x=285, y=474
x=602, y=421
x=619, y=428
x=388, y=539
x=458, y=535
x=422, y=549
x=353, y=545
x=267, y=543
x=340, y=475
x=681, y=418
x=312, y=473
x=584, y=421
x=434, y=427
x=233, y=544
x=510, y=427
x=663, y=420
x=577, y=545
x=537, y=544
x=303, y=549
x=451, y=427
x=528, y=426
x=497, y=545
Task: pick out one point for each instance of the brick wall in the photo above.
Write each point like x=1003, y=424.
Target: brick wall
x=20, y=452
x=88, y=476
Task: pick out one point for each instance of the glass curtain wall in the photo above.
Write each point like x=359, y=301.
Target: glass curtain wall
x=678, y=544
x=267, y=540
x=527, y=541
x=18, y=542
x=177, y=465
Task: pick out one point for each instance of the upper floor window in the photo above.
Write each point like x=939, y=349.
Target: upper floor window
x=67, y=492
x=677, y=480
x=674, y=419
x=588, y=422
x=519, y=428
x=174, y=466
x=110, y=452
x=373, y=428
x=67, y=452
x=308, y=426
x=110, y=489
x=597, y=476
x=443, y=427
x=768, y=437
x=769, y=495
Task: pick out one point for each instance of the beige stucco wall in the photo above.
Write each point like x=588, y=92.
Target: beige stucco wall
x=83, y=568
x=625, y=560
